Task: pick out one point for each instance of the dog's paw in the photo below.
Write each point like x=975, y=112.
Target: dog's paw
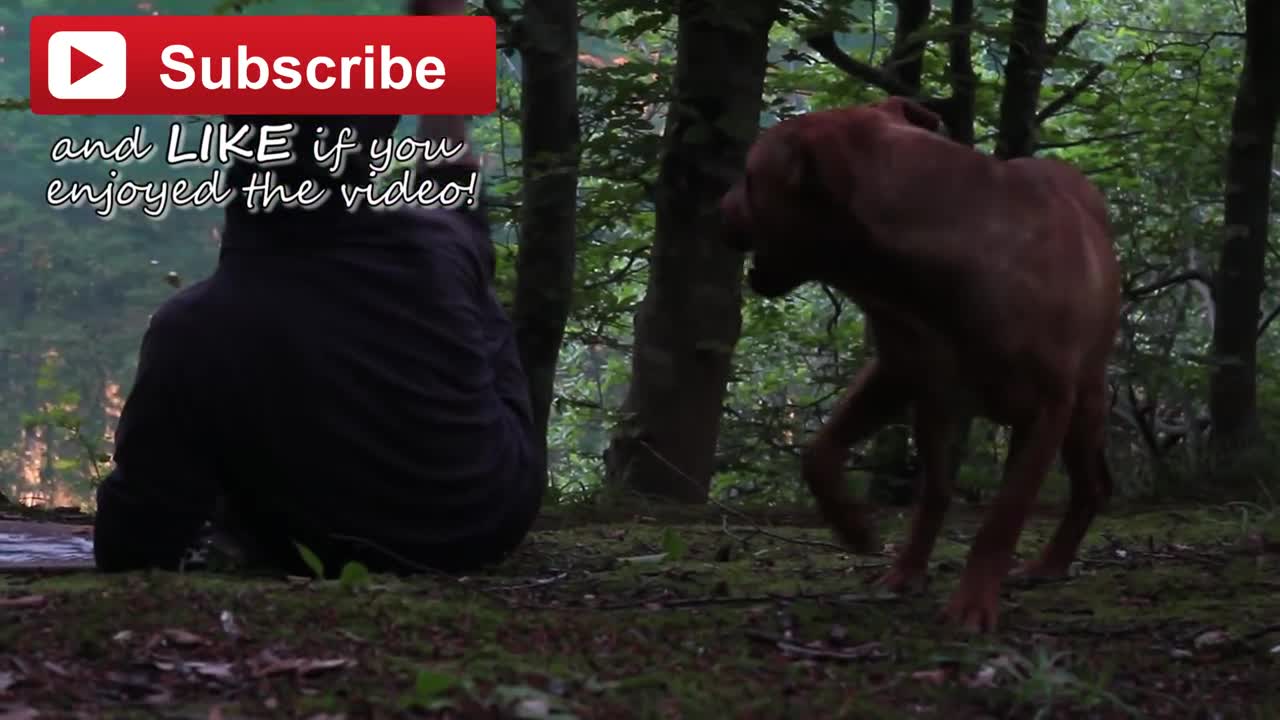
x=904, y=581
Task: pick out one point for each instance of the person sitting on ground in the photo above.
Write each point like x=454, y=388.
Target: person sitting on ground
x=345, y=380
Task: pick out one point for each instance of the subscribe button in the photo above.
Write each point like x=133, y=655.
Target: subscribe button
x=235, y=65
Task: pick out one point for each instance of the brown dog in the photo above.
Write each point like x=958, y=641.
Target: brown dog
x=990, y=287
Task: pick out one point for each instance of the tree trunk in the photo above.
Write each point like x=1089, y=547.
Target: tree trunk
x=961, y=110
x=959, y=113
x=1023, y=72
x=1233, y=398
x=690, y=319
x=548, y=210
x=890, y=450
x=961, y=117
x=906, y=60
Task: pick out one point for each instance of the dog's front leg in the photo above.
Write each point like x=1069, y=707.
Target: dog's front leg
x=873, y=398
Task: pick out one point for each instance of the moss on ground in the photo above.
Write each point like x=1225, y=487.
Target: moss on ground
x=1173, y=613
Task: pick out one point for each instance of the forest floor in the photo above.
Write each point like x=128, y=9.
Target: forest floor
x=1175, y=612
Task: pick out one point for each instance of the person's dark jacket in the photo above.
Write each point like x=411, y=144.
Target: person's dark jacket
x=344, y=381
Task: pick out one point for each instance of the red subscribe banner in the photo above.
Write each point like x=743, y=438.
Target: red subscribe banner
x=236, y=65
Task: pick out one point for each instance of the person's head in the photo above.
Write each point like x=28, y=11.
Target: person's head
x=306, y=129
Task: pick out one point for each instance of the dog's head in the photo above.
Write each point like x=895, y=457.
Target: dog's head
x=796, y=192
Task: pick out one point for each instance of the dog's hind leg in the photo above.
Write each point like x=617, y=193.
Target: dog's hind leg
x=1091, y=484
x=935, y=428
x=1034, y=444
x=873, y=398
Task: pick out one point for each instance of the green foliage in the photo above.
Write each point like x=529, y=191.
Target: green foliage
x=313, y=561
x=354, y=576
x=673, y=544
x=428, y=686
x=1151, y=130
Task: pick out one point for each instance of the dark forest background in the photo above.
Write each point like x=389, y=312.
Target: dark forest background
x=621, y=123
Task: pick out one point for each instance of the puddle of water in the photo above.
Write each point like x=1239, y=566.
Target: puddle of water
x=23, y=549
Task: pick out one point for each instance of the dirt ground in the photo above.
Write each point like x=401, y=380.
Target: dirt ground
x=1174, y=613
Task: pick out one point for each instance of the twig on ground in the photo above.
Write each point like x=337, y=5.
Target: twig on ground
x=742, y=600
x=540, y=582
x=865, y=651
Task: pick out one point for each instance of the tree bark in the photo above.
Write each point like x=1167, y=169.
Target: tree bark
x=690, y=319
x=436, y=127
x=1023, y=73
x=890, y=449
x=550, y=135
x=906, y=60
x=961, y=111
x=961, y=118
x=1233, y=402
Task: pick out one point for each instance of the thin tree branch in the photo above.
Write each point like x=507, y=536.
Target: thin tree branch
x=1056, y=105
x=1061, y=42
x=1266, y=322
x=825, y=45
x=1157, y=286
x=1091, y=139
x=499, y=12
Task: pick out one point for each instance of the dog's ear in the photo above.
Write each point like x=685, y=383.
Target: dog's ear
x=913, y=112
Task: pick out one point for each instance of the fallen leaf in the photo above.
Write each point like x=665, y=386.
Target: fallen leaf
x=7, y=680
x=183, y=638
x=23, y=602
x=18, y=712
x=213, y=670
x=937, y=677
x=1211, y=638
x=352, y=636
x=984, y=678
x=229, y=625
x=533, y=708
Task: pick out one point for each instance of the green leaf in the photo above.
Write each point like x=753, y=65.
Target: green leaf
x=673, y=544
x=430, y=684
x=354, y=575
x=311, y=559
